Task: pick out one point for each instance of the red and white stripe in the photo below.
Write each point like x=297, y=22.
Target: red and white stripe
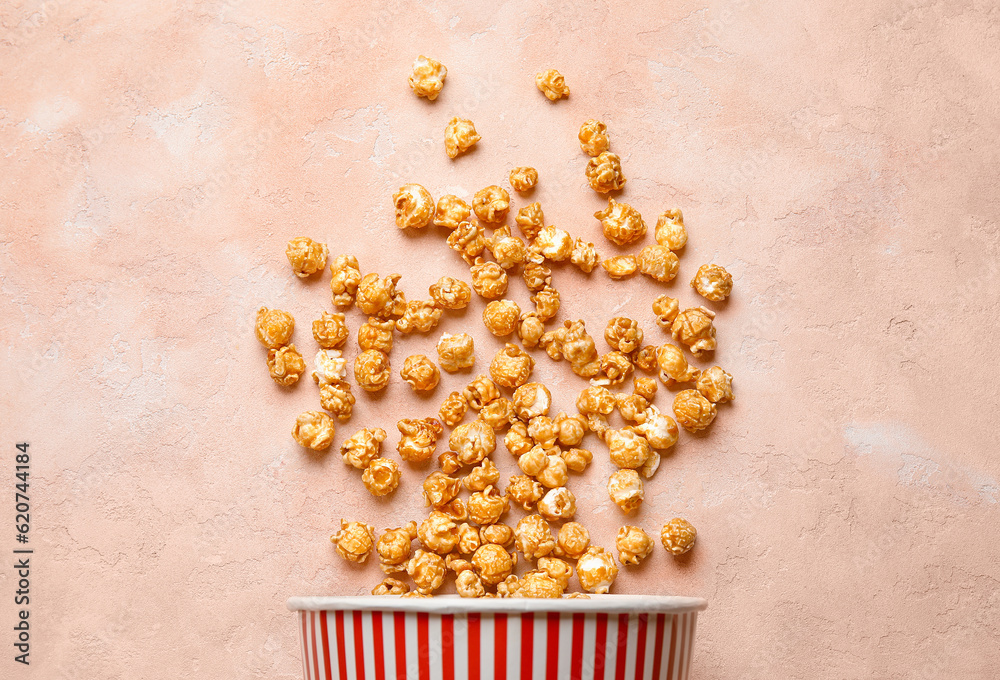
x=374, y=645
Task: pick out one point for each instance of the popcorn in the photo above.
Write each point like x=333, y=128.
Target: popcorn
x=440, y=489
x=448, y=461
x=419, y=438
x=523, y=179
x=553, y=244
x=330, y=330
x=670, y=231
x=355, y=541
x=414, y=206
x=372, y=370
x=555, y=473
x=492, y=563
x=313, y=430
x=390, y=586
x=508, y=251
x=330, y=367
x=558, y=503
x=658, y=429
x=634, y=545
x=501, y=317
x=517, y=440
x=468, y=584
x=530, y=330
x=533, y=537
x=537, y=584
x=376, y=334
x=483, y=475
x=420, y=373
x=468, y=241
x=625, y=489
x=716, y=385
x=345, y=279
x=570, y=429
x=480, y=392
x=487, y=506
x=285, y=365
x=615, y=368
x=546, y=303
x=694, y=328
x=497, y=534
x=491, y=204
x=456, y=352
x=552, y=84
x=427, y=571
x=489, y=279
x=530, y=400
x=658, y=263
x=645, y=358
x=438, y=533
x=274, y=327
x=394, y=547
x=459, y=136
x=451, y=211
x=428, y=77
x=381, y=477
x=378, y=297
x=665, y=308
x=596, y=570
x=604, y=173
x=498, y=414
x=336, y=397
x=584, y=255
x=556, y=569
x=712, y=282
x=511, y=367
x=576, y=459
x=694, y=412
x=449, y=293
x=620, y=266
x=622, y=224
x=674, y=367
x=534, y=461
x=593, y=137
x=306, y=256
x=678, y=536
x=644, y=387
x=473, y=441
x=623, y=334
x=362, y=447
x=632, y=407
x=530, y=220
x=573, y=541
x=543, y=431
x=419, y=316
x=627, y=449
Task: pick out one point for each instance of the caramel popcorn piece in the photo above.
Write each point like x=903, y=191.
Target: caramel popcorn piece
x=674, y=367
x=414, y=207
x=511, y=366
x=537, y=584
x=394, y=547
x=665, y=308
x=459, y=136
x=604, y=173
x=620, y=266
x=449, y=293
x=377, y=296
x=468, y=584
x=330, y=367
x=694, y=328
x=634, y=545
x=713, y=282
x=531, y=400
x=596, y=403
x=501, y=317
x=274, y=327
x=693, y=411
x=468, y=241
x=428, y=77
x=313, y=430
x=330, y=330
x=658, y=263
x=594, y=137
x=483, y=475
x=453, y=409
x=508, y=251
x=596, y=570
x=390, y=586
x=420, y=373
x=473, y=441
x=670, y=231
x=489, y=280
x=440, y=489
x=480, y=392
x=584, y=255
x=543, y=431
x=336, y=397
x=546, y=303
x=419, y=316
x=438, y=533
x=427, y=571
x=558, y=503
x=625, y=489
x=355, y=541
x=622, y=224
x=491, y=204
x=579, y=349
x=306, y=256
x=623, y=334
x=632, y=407
x=627, y=449
x=376, y=334
x=530, y=330
x=381, y=477
x=487, y=506
x=716, y=385
x=517, y=440
x=678, y=536
x=345, y=279
x=573, y=541
x=285, y=365
x=362, y=447
x=497, y=534
x=449, y=462
x=533, y=537
x=498, y=414
x=451, y=211
x=644, y=387
x=468, y=543
x=615, y=368
x=570, y=428
x=576, y=459
x=456, y=352
x=645, y=359
x=492, y=563
x=371, y=370
x=523, y=179
x=552, y=84
x=558, y=570
x=530, y=220
x=534, y=461
x=658, y=429
x=419, y=438
x=553, y=244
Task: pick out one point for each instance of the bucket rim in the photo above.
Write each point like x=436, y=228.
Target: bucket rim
x=453, y=604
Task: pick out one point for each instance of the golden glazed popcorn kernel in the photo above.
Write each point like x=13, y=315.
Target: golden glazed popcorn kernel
x=355, y=540
x=576, y=459
x=570, y=428
x=306, y=256
x=330, y=367
x=480, y=392
x=390, y=586
x=665, y=308
x=427, y=571
x=394, y=546
x=449, y=293
x=645, y=359
x=693, y=411
x=596, y=570
x=517, y=440
x=627, y=449
x=381, y=477
x=419, y=316
x=487, y=506
x=508, y=251
x=468, y=241
x=438, y=533
x=372, y=370
x=593, y=137
x=713, y=282
x=534, y=461
x=274, y=327
x=543, y=431
x=674, y=367
x=546, y=303
x=489, y=280
x=440, y=489
x=536, y=276
x=533, y=537
x=491, y=204
x=658, y=429
x=552, y=84
x=530, y=220
x=420, y=373
x=553, y=244
x=313, y=430
x=579, y=349
x=453, y=409
x=644, y=387
x=345, y=280
x=631, y=406
x=330, y=330
x=483, y=475
x=523, y=179
x=362, y=447
x=492, y=563
x=623, y=334
x=376, y=334
x=620, y=266
x=468, y=584
x=716, y=385
x=419, y=438
x=555, y=473
x=451, y=211
x=501, y=316
x=604, y=172
x=622, y=224
x=634, y=545
x=530, y=400
x=558, y=503
x=694, y=328
x=498, y=414
x=584, y=255
x=456, y=563
x=497, y=534
x=459, y=136
x=625, y=489
x=428, y=77
x=336, y=397
x=615, y=368
x=658, y=263
x=377, y=296
x=556, y=569
x=456, y=352
x=537, y=585
x=530, y=330
x=456, y=509
x=285, y=365
x=473, y=441
x=414, y=207
x=573, y=541
x=511, y=366
x=678, y=536
x=449, y=462
x=670, y=231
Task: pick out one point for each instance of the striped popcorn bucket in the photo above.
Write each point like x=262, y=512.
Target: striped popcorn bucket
x=616, y=637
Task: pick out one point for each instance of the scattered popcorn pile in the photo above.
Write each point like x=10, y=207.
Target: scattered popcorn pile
x=466, y=536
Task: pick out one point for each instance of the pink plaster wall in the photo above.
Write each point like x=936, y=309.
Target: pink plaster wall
x=839, y=158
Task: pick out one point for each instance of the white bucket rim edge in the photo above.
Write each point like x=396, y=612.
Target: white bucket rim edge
x=453, y=604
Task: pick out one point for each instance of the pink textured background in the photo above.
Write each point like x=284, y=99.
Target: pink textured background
x=839, y=158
